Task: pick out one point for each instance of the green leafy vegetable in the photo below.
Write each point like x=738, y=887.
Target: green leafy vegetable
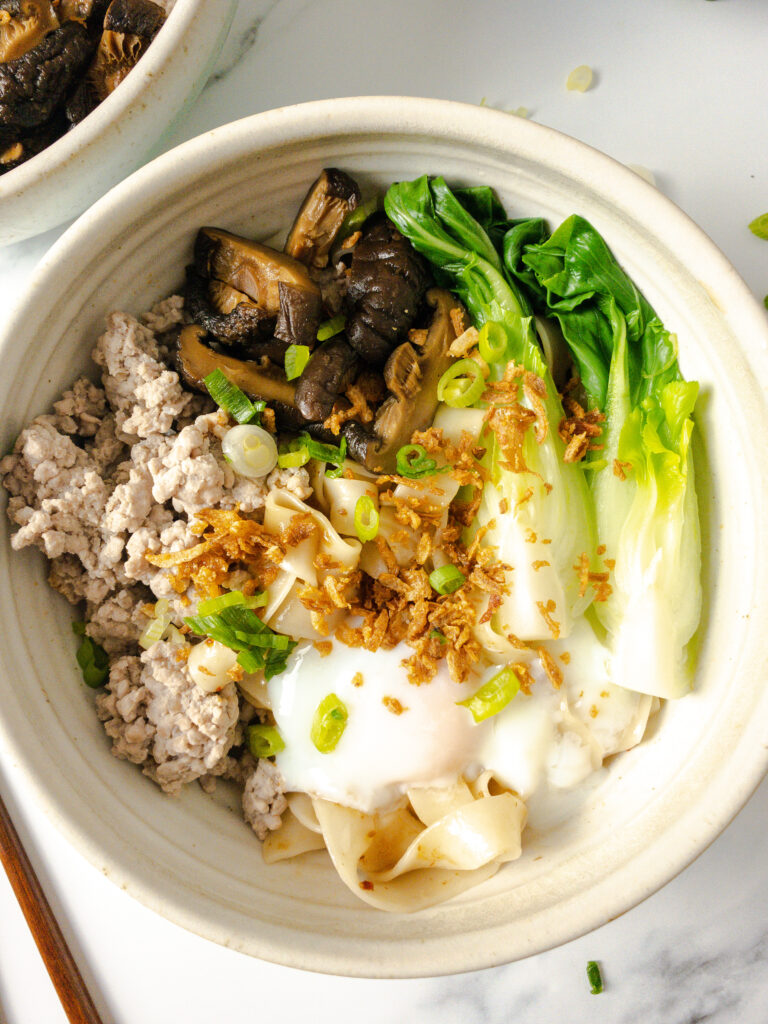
x=264, y=740
x=328, y=723
x=551, y=498
x=493, y=696
x=91, y=657
x=232, y=400
x=645, y=495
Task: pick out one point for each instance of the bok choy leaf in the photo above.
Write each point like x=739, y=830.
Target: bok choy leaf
x=645, y=496
x=544, y=513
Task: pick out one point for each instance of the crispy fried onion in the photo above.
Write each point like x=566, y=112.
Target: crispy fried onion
x=579, y=429
x=510, y=420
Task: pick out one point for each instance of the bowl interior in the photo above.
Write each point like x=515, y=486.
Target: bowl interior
x=651, y=810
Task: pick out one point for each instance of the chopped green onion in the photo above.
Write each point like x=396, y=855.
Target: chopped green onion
x=264, y=741
x=328, y=723
x=324, y=452
x=235, y=597
x=446, y=579
x=92, y=658
x=293, y=454
x=493, y=696
x=231, y=399
x=296, y=358
x=414, y=463
x=366, y=518
x=437, y=634
x=329, y=328
x=759, y=226
x=355, y=220
x=594, y=977
x=239, y=628
x=492, y=341
x=461, y=384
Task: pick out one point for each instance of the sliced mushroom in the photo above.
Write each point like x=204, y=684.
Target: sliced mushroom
x=29, y=145
x=229, y=315
x=329, y=201
x=129, y=28
x=328, y=374
x=299, y=315
x=412, y=378
x=261, y=381
x=249, y=267
x=23, y=26
x=385, y=285
x=33, y=85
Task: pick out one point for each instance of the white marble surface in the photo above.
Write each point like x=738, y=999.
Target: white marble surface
x=680, y=88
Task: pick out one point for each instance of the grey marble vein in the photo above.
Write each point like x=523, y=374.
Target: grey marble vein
x=241, y=42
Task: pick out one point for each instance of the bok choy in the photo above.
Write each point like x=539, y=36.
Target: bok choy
x=645, y=496
x=548, y=526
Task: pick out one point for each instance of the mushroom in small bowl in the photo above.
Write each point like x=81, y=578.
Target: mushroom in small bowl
x=81, y=84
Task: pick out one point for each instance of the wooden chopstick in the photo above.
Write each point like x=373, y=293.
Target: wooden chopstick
x=53, y=947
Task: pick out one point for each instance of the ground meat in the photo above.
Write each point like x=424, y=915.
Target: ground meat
x=107, y=449
x=122, y=707
x=161, y=532
x=194, y=730
x=263, y=799
x=117, y=622
x=146, y=396
x=131, y=501
x=165, y=314
x=69, y=576
x=80, y=410
x=193, y=473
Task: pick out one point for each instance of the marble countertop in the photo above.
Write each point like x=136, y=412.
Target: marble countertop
x=680, y=88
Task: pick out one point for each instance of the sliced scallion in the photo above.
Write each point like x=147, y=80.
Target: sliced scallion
x=296, y=358
x=91, y=657
x=462, y=384
x=594, y=977
x=414, y=463
x=329, y=328
x=492, y=341
x=355, y=220
x=231, y=399
x=366, y=518
x=759, y=226
x=264, y=740
x=328, y=723
x=446, y=579
x=293, y=455
x=493, y=696
x=213, y=605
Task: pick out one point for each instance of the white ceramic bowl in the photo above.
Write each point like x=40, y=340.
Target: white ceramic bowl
x=117, y=137
x=656, y=808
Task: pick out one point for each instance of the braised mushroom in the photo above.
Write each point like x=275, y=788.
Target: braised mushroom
x=129, y=28
x=23, y=26
x=231, y=316
x=327, y=375
x=299, y=315
x=326, y=205
x=33, y=85
x=259, y=380
x=254, y=269
x=385, y=285
x=411, y=376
